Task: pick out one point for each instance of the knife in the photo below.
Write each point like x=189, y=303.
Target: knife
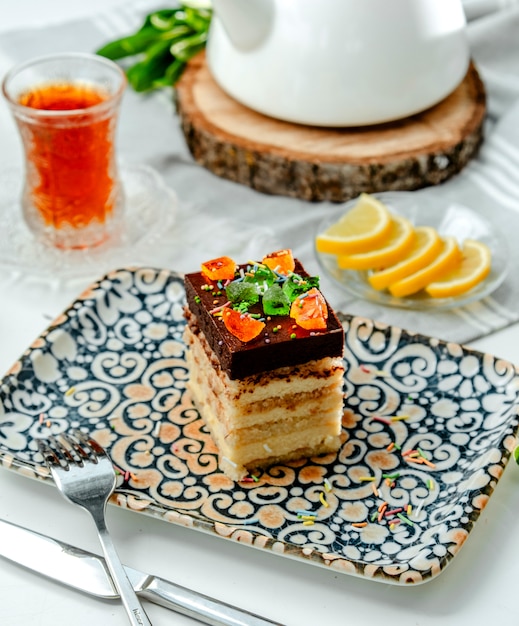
x=88, y=572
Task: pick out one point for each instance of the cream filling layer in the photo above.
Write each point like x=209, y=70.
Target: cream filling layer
x=298, y=413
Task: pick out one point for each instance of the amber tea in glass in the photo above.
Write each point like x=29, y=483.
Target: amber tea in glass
x=66, y=109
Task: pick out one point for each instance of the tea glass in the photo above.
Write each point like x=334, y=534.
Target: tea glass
x=66, y=108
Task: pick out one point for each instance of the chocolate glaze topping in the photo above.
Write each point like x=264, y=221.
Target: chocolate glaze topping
x=270, y=349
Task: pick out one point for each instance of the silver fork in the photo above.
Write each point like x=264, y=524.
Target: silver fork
x=85, y=476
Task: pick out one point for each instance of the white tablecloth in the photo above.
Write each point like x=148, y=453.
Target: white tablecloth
x=480, y=585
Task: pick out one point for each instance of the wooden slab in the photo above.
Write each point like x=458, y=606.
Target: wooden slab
x=337, y=164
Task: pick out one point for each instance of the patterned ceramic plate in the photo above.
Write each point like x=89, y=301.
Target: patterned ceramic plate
x=114, y=364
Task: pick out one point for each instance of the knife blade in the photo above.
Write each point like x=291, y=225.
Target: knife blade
x=88, y=572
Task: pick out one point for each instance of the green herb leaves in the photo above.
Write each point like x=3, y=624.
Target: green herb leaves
x=276, y=291
x=294, y=286
x=163, y=45
x=242, y=292
x=275, y=301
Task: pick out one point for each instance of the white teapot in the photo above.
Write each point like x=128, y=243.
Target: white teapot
x=338, y=62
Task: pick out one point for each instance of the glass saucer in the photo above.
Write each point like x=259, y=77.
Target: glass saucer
x=452, y=219
x=150, y=207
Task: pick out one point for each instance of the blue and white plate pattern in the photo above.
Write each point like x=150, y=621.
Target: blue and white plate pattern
x=114, y=364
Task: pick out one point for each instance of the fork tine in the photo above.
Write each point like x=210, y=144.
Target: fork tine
x=62, y=453
x=74, y=446
x=48, y=453
x=90, y=444
x=66, y=450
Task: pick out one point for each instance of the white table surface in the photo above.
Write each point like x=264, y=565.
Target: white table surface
x=480, y=587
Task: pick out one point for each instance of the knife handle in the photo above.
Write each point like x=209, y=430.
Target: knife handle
x=199, y=606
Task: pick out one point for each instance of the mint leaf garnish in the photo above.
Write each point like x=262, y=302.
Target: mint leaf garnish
x=296, y=285
x=264, y=277
x=243, y=292
x=275, y=302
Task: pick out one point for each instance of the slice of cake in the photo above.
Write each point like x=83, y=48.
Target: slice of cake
x=265, y=360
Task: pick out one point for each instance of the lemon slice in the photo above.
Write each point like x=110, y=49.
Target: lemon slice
x=425, y=248
x=473, y=269
x=396, y=244
x=448, y=259
x=361, y=228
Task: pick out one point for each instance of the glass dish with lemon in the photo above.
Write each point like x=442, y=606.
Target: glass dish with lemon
x=401, y=249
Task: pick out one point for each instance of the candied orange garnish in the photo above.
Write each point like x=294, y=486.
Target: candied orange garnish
x=222, y=268
x=241, y=325
x=281, y=261
x=309, y=310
